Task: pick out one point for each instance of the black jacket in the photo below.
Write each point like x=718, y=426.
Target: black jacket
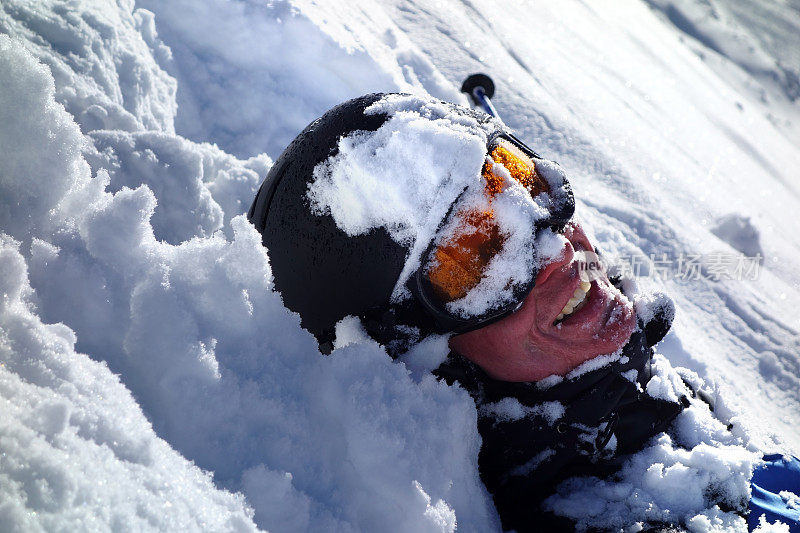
x=605, y=416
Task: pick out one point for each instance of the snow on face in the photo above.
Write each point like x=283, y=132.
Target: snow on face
x=422, y=163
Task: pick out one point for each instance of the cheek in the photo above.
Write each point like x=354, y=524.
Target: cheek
x=496, y=346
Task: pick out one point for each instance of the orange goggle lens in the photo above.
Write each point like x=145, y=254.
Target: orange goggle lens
x=521, y=167
x=459, y=262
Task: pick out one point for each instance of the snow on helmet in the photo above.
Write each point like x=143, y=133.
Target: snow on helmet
x=413, y=214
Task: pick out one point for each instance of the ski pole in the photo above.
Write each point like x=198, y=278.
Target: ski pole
x=480, y=89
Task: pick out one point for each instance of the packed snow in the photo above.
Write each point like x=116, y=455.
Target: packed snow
x=151, y=378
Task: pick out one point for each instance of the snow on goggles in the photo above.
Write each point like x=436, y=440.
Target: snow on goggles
x=482, y=263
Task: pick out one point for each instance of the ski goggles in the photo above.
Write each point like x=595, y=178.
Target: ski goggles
x=483, y=263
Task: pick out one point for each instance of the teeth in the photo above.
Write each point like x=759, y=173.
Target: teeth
x=577, y=300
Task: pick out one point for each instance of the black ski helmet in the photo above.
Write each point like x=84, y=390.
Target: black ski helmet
x=323, y=273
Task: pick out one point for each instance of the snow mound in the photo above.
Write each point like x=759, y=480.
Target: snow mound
x=78, y=453
x=250, y=73
x=740, y=233
x=189, y=321
x=198, y=187
x=664, y=484
x=696, y=476
x=104, y=58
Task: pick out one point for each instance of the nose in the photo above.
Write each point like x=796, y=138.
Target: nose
x=575, y=234
x=564, y=259
x=576, y=241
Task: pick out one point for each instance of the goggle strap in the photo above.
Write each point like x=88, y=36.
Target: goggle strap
x=386, y=325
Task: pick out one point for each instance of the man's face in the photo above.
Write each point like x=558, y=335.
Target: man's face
x=530, y=345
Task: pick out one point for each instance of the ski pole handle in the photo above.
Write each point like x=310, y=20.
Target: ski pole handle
x=480, y=89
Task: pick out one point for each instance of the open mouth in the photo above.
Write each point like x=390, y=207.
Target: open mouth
x=575, y=303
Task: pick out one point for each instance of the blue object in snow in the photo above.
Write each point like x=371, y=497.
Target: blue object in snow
x=485, y=103
x=780, y=473
x=480, y=89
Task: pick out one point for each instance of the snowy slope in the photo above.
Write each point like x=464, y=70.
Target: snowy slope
x=663, y=137
x=677, y=122
x=660, y=147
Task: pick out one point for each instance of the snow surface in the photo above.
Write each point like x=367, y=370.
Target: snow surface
x=151, y=379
